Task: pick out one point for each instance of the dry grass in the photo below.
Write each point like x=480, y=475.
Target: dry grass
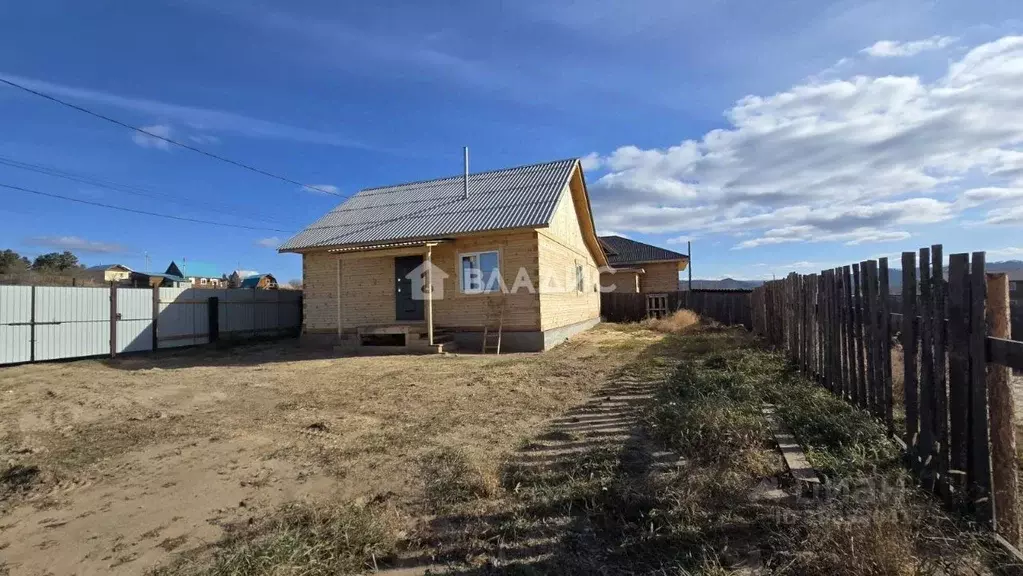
x=675, y=324
x=197, y=441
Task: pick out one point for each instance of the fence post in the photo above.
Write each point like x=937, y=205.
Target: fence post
x=113, y=320
x=850, y=337
x=156, y=316
x=927, y=409
x=978, y=460
x=938, y=295
x=1004, y=475
x=213, y=311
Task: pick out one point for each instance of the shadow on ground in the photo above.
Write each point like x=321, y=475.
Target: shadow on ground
x=581, y=497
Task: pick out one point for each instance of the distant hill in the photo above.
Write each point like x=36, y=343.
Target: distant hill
x=723, y=284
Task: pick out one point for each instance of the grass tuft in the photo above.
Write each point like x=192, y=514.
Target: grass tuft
x=675, y=324
x=450, y=477
x=300, y=539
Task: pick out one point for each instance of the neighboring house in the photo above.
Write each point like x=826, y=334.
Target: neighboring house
x=200, y=274
x=520, y=240
x=105, y=273
x=639, y=267
x=1016, y=284
x=259, y=282
x=235, y=279
x=148, y=280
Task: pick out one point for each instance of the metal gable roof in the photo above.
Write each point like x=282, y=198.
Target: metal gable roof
x=621, y=251
x=520, y=197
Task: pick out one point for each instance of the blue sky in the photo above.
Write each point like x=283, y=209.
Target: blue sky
x=777, y=136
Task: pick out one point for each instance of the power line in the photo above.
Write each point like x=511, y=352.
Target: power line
x=143, y=212
x=118, y=187
x=165, y=139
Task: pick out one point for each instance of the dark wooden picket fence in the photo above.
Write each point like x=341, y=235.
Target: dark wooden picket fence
x=730, y=307
x=955, y=412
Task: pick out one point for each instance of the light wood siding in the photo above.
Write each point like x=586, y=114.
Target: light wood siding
x=622, y=281
x=662, y=277
x=562, y=248
x=367, y=292
x=518, y=251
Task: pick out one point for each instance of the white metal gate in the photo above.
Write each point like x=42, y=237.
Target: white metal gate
x=71, y=322
x=15, y=324
x=134, y=320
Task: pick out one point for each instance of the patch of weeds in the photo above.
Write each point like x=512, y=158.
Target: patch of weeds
x=840, y=440
x=708, y=415
x=299, y=539
x=18, y=478
x=450, y=478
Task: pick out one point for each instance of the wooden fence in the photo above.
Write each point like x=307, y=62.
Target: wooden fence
x=725, y=306
x=955, y=412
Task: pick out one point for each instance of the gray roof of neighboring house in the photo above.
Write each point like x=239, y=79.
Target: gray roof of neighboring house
x=621, y=251
x=105, y=267
x=521, y=197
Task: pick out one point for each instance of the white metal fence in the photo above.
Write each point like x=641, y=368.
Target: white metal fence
x=48, y=323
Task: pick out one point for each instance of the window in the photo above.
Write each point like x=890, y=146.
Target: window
x=480, y=272
x=202, y=281
x=579, y=278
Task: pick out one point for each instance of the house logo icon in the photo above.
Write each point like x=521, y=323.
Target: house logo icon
x=418, y=277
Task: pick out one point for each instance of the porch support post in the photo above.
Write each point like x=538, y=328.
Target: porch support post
x=429, y=293
x=340, y=331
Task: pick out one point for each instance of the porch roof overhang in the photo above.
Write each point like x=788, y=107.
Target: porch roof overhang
x=388, y=246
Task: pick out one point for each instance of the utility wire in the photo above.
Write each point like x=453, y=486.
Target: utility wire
x=143, y=212
x=124, y=188
x=165, y=139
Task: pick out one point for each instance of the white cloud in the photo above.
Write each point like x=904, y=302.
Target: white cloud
x=323, y=189
x=1014, y=252
x=591, y=162
x=147, y=141
x=204, y=139
x=75, y=244
x=270, y=242
x=895, y=49
x=852, y=161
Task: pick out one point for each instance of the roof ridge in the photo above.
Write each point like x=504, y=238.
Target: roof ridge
x=458, y=176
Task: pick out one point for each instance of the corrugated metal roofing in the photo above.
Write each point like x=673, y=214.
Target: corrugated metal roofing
x=520, y=197
x=621, y=251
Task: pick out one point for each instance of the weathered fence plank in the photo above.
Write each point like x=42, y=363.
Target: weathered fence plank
x=959, y=366
x=940, y=390
x=885, y=349
x=909, y=352
x=861, y=376
x=978, y=461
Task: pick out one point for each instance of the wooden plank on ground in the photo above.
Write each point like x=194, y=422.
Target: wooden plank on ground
x=1004, y=474
x=909, y=353
x=978, y=460
x=959, y=367
x=791, y=451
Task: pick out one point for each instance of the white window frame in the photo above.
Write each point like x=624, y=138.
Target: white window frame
x=202, y=281
x=483, y=289
x=580, y=278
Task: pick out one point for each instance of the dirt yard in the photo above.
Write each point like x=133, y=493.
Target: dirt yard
x=117, y=466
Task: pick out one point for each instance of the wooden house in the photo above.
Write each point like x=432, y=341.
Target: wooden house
x=259, y=282
x=640, y=267
x=429, y=264
x=106, y=273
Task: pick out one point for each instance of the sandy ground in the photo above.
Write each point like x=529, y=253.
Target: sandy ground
x=114, y=466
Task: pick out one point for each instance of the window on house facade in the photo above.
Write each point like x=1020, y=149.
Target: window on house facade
x=579, y=278
x=480, y=272
x=202, y=281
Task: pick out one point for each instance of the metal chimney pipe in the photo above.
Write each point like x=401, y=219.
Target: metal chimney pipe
x=465, y=178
